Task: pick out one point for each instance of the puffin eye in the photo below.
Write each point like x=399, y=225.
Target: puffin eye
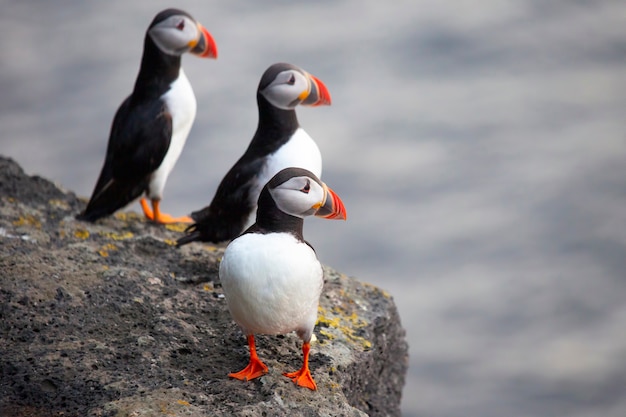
x=180, y=25
x=306, y=188
x=292, y=80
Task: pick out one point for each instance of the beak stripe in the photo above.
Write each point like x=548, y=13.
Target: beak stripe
x=303, y=95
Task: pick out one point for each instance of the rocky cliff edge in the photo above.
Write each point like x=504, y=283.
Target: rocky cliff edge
x=110, y=319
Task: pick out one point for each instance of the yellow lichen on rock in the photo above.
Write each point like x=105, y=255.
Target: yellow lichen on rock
x=28, y=220
x=62, y=204
x=334, y=386
x=104, y=251
x=117, y=236
x=326, y=334
x=128, y=216
x=378, y=290
x=81, y=234
x=176, y=227
x=323, y=319
x=340, y=323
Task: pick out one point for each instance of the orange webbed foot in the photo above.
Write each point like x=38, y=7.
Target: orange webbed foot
x=255, y=368
x=303, y=376
x=164, y=218
x=158, y=217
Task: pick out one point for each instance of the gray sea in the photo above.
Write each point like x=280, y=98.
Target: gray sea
x=479, y=147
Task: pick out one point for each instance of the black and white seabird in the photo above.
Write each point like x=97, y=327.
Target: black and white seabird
x=279, y=142
x=271, y=276
x=151, y=126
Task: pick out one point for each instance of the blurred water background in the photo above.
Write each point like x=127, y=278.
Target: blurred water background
x=480, y=148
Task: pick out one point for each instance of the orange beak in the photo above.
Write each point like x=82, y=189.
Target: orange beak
x=205, y=46
x=319, y=94
x=332, y=208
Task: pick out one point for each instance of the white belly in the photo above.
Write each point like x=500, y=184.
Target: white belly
x=301, y=152
x=272, y=284
x=181, y=103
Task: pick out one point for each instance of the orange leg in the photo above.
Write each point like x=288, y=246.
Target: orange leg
x=147, y=211
x=303, y=376
x=158, y=217
x=255, y=368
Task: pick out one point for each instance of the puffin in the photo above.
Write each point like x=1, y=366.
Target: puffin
x=151, y=125
x=271, y=277
x=279, y=142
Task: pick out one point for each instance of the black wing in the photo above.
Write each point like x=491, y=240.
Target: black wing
x=226, y=216
x=140, y=137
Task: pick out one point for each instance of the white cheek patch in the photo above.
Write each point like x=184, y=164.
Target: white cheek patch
x=280, y=96
x=284, y=95
x=286, y=201
x=172, y=40
x=291, y=200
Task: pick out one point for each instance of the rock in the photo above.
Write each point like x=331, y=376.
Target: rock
x=110, y=319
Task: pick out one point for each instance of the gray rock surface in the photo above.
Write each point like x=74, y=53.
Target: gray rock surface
x=110, y=319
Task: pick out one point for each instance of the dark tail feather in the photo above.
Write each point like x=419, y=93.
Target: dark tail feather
x=93, y=212
x=212, y=231
x=201, y=215
x=91, y=216
x=111, y=198
x=188, y=238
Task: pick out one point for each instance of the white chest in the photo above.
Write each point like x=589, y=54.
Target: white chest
x=181, y=104
x=301, y=151
x=272, y=283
